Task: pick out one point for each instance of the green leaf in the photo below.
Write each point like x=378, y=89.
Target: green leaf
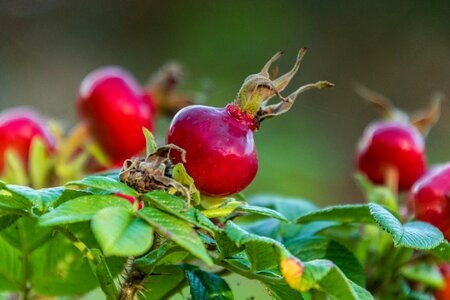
x=180, y=174
x=355, y=213
x=11, y=270
x=178, y=207
x=10, y=202
x=120, y=234
x=324, y=275
x=223, y=210
x=39, y=163
x=206, y=286
x=104, y=183
x=423, y=273
x=8, y=220
x=176, y=230
x=150, y=141
x=81, y=209
x=26, y=235
x=148, y=262
x=262, y=252
x=443, y=251
x=282, y=292
x=167, y=202
x=29, y=197
x=162, y=282
x=59, y=269
x=318, y=247
x=263, y=211
x=416, y=235
x=291, y=208
x=53, y=197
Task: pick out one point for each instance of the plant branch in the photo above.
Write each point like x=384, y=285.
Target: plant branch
x=97, y=263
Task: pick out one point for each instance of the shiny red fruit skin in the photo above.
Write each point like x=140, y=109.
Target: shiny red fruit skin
x=115, y=108
x=391, y=144
x=430, y=198
x=18, y=127
x=220, y=150
x=444, y=293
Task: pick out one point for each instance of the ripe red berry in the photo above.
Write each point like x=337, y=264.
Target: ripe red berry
x=391, y=145
x=220, y=150
x=221, y=153
x=130, y=199
x=430, y=198
x=115, y=108
x=18, y=127
x=444, y=293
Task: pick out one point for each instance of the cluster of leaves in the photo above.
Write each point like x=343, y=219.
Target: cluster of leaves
x=294, y=249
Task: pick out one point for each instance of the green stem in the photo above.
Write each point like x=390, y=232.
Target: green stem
x=77, y=243
x=97, y=263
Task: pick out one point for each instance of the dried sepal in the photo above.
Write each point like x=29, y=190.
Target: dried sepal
x=425, y=119
x=258, y=89
x=154, y=172
x=422, y=120
x=286, y=103
x=381, y=103
x=163, y=86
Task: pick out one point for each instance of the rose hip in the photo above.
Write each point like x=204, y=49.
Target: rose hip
x=18, y=127
x=115, y=109
x=430, y=198
x=391, y=145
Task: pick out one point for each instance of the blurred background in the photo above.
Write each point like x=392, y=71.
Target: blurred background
x=401, y=49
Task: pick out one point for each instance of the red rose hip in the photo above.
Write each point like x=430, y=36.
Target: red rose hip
x=18, y=127
x=391, y=145
x=220, y=150
x=430, y=198
x=115, y=108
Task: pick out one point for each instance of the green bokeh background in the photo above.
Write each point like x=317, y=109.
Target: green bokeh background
x=400, y=48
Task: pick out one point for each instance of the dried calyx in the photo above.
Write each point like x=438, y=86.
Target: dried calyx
x=258, y=89
x=153, y=172
x=423, y=120
x=163, y=87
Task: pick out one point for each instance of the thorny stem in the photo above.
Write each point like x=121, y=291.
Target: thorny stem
x=132, y=283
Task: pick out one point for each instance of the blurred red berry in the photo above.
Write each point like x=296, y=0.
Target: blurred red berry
x=18, y=127
x=220, y=150
x=430, y=198
x=115, y=108
x=391, y=144
x=444, y=293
